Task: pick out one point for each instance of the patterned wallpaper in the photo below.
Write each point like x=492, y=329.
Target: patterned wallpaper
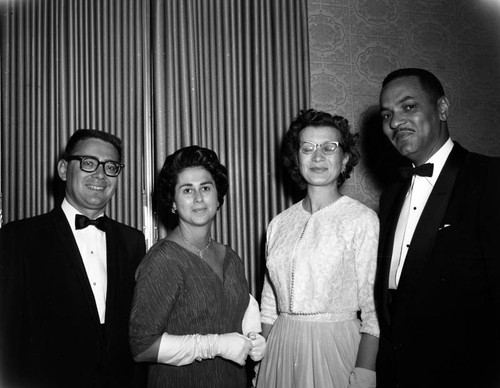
x=355, y=43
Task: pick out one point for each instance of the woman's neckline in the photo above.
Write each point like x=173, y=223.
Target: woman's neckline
x=306, y=205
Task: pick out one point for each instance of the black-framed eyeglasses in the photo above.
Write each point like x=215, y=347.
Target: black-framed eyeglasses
x=91, y=164
x=328, y=148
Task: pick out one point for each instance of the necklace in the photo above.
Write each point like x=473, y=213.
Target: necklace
x=200, y=252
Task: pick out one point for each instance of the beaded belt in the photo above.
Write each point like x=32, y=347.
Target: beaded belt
x=323, y=317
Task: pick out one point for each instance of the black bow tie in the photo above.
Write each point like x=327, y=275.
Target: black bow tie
x=82, y=222
x=422, y=170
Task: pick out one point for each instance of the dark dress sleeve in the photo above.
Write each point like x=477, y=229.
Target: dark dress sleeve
x=158, y=280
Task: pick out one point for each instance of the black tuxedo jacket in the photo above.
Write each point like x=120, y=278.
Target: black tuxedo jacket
x=439, y=329
x=50, y=330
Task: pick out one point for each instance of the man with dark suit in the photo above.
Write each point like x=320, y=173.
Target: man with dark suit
x=437, y=288
x=67, y=279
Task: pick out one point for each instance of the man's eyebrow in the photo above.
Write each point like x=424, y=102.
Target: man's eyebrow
x=398, y=102
x=406, y=98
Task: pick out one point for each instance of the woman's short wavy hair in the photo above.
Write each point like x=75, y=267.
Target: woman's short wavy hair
x=192, y=156
x=314, y=118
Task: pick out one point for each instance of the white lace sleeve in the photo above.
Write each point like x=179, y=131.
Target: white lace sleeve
x=268, y=305
x=269, y=311
x=366, y=262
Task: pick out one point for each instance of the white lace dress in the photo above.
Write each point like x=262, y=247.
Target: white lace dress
x=321, y=270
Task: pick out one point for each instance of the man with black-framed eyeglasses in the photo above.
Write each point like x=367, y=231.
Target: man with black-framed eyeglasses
x=90, y=164
x=67, y=279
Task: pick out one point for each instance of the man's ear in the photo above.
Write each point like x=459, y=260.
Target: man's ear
x=62, y=169
x=444, y=108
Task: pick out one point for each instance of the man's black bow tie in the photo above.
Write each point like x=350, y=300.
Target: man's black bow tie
x=422, y=170
x=82, y=222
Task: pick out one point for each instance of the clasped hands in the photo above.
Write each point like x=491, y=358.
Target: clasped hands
x=236, y=347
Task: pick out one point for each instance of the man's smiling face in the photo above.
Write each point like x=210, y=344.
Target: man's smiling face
x=89, y=192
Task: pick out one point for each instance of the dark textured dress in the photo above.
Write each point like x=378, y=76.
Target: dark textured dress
x=178, y=293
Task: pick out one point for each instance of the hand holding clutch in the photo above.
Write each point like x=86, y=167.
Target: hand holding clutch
x=234, y=347
x=259, y=346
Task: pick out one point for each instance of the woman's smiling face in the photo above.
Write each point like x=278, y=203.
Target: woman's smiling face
x=317, y=168
x=196, y=196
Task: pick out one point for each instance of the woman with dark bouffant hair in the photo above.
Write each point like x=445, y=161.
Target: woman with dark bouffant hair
x=317, y=307
x=192, y=317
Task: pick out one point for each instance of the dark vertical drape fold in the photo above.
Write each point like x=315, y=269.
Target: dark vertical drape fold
x=230, y=75
x=69, y=64
x=160, y=74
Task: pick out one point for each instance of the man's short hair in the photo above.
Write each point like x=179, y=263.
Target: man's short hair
x=84, y=134
x=430, y=83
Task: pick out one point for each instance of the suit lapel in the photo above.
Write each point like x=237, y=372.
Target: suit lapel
x=427, y=228
x=71, y=252
x=112, y=257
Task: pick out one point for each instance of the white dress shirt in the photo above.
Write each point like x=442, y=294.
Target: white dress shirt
x=92, y=246
x=416, y=198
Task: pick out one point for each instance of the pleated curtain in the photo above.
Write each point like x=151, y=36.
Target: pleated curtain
x=70, y=64
x=227, y=75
